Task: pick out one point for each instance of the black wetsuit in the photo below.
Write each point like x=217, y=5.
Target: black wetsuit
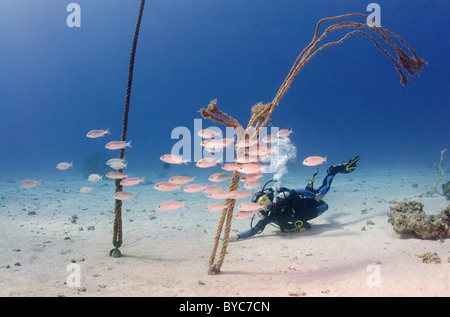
x=293, y=212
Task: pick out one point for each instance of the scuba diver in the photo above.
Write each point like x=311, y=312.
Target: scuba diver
x=291, y=209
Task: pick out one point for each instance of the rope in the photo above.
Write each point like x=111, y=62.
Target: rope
x=215, y=268
x=262, y=112
x=117, y=235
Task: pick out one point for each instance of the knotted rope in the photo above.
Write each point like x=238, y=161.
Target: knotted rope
x=262, y=112
x=117, y=235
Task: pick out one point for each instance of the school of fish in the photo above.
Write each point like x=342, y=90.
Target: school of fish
x=249, y=162
x=251, y=155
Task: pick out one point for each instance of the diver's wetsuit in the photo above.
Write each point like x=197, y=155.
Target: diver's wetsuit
x=300, y=205
x=293, y=212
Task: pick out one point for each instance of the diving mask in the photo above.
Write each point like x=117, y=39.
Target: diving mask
x=264, y=201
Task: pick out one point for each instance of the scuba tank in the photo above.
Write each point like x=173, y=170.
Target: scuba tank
x=269, y=192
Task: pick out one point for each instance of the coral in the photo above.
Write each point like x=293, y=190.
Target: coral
x=430, y=257
x=409, y=218
x=446, y=189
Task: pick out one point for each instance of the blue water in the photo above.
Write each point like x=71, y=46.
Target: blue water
x=57, y=83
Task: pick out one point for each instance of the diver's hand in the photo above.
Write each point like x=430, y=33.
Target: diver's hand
x=265, y=208
x=318, y=197
x=234, y=239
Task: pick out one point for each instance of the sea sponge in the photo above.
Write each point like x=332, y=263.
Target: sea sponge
x=409, y=218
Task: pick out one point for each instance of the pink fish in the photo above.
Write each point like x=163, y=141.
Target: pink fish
x=251, y=177
x=238, y=194
x=224, y=142
x=230, y=167
x=219, y=177
x=284, y=133
x=213, y=150
x=95, y=178
x=173, y=159
x=208, y=133
x=117, y=145
x=204, y=143
x=123, y=195
x=116, y=175
x=264, y=149
x=29, y=183
x=244, y=214
x=211, y=189
x=207, y=162
x=171, y=205
x=243, y=159
x=251, y=185
x=166, y=186
x=193, y=188
x=249, y=206
x=247, y=143
x=131, y=181
x=270, y=139
x=216, y=207
x=261, y=149
x=220, y=194
x=251, y=168
x=117, y=165
x=85, y=190
x=217, y=143
x=64, y=165
x=314, y=160
x=116, y=162
x=97, y=133
x=181, y=180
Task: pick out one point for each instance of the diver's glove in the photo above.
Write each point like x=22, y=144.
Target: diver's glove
x=234, y=238
x=318, y=197
x=249, y=233
x=265, y=212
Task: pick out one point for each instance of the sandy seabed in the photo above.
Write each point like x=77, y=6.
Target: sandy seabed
x=351, y=250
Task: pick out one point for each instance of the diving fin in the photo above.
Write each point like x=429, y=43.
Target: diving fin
x=344, y=168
